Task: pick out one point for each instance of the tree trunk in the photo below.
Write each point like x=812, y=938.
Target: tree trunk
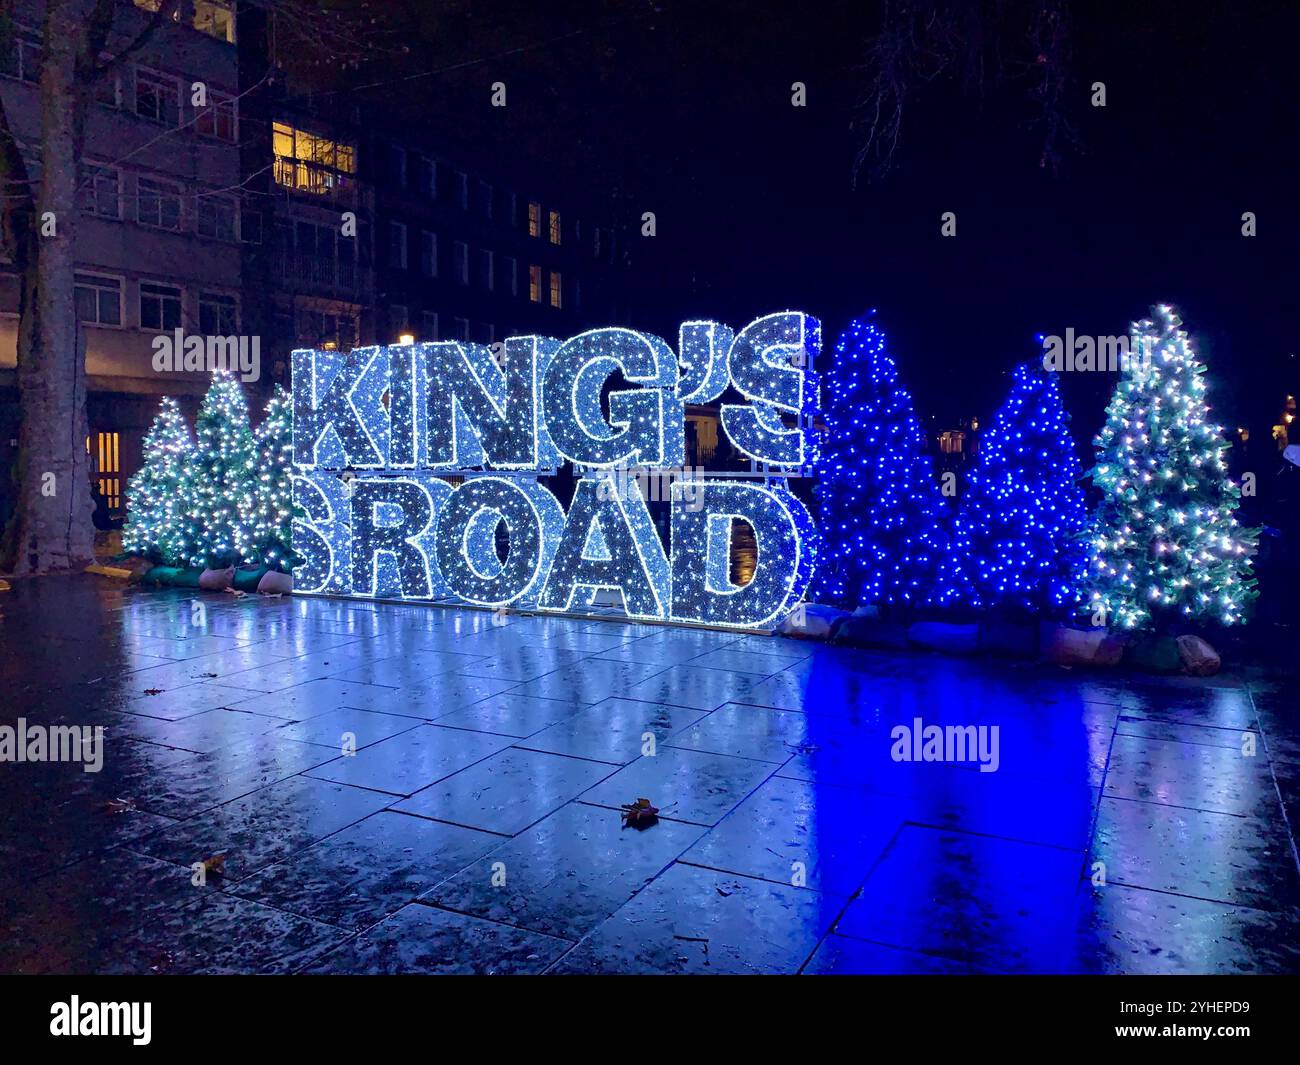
x=53, y=529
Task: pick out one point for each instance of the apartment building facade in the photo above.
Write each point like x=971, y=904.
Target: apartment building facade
x=375, y=237
x=159, y=238
x=221, y=198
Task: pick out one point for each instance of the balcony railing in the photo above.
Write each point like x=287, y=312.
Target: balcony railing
x=323, y=276
x=319, y=182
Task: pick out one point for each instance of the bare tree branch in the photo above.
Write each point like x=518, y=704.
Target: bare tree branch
x=980, y=44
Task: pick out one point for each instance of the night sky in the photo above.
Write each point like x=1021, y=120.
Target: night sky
x=683, y=108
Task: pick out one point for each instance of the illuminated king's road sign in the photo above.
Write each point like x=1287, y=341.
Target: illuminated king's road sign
x=403, y=419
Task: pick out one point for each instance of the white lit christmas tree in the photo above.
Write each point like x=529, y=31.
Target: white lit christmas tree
x=221, y=479
x=1167, y=544
x=270, y=519
x=156, y=504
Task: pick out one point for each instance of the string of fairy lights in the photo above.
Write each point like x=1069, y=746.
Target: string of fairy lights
x=340, y=481
x=223, y=496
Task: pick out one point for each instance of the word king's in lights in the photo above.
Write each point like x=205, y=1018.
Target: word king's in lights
x=375, y=427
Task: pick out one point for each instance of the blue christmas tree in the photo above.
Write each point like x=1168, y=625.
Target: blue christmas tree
x=1022, y=527
x=882, y=519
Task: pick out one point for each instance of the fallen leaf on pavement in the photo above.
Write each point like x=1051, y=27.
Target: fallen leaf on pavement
x=640, y=814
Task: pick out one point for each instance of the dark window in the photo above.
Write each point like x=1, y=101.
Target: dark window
x=160, y=306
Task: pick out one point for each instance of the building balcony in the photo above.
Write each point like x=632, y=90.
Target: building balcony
x=316, y=275
x=320, y=184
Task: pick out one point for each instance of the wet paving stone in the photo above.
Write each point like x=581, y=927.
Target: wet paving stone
x=748, y=732
x=321, y=696
x=521, y=662
x=510, y=714
x=70, y=828
x=591, y=682
x=692, y=686
x=424, y=940
x=413, y=667
x=222, y=935
x=791, y=832
x=790, y=840
x=1001, y=905
x=404, y=764
x=201, y=733
x=565, y=874
x=68, y=921
x=192, y=783
x=1287, y=775
x=180, y=650
x=692, y=920
x=359, y=875
x=692, y=786
x=179, y=703
x=1282, y=740
x=840, y=692
x=1055, y=814
x=347, y=727
x=752, y=663
x=1192, y=775
x=508, y=791
x=1133, y=931
x=660, y=651
x=613, y=731
x=1178, y=732
x=292, y=672
x=1200, y=853
x=265, y=826
x=842, y=956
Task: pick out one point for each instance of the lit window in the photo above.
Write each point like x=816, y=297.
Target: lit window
x=310, y=163
x=555, y=227
x=158, y=203
x=160, y=306
x=107, y=458
x=534, y=219
x=218, y=315
x=556, y=289
x=535, y=283
x=216, y=18
x=98, y=299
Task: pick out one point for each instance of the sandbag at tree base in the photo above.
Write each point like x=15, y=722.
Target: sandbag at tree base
x=1064, y=646
x=1197, y=656
x=811, y=621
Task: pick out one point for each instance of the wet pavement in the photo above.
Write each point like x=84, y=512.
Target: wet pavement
x=400, y=788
